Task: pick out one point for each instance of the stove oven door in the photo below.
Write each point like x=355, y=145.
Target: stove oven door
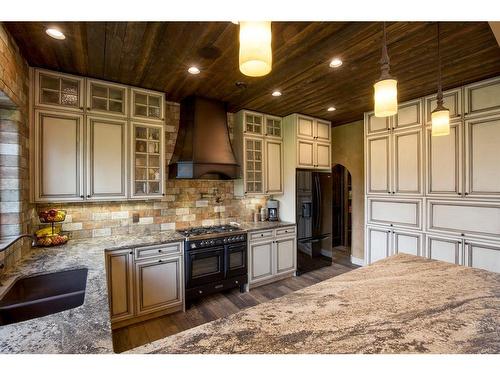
x=204, y=266
x=236, y=260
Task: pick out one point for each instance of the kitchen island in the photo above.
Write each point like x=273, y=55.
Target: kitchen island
x=402, y=304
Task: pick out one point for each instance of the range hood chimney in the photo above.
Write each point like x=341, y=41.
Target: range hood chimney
x=203, y=149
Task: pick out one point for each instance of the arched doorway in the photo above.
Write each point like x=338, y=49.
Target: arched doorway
x=341, y=214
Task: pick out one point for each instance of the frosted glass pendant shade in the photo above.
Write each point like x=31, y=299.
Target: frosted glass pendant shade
x=386, y=97
x=256, y=56
x=440, y=122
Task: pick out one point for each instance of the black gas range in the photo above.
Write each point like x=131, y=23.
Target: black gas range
x=215, y=259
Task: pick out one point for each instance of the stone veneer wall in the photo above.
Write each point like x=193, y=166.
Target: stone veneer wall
x=186, y=203
x=15, y=208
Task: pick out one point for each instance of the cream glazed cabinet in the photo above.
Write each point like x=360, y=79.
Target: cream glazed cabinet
x=272, y=255
x=450, y=208
x=144, y=282
x=308, y=141
x=258, y=147
x=86, y=143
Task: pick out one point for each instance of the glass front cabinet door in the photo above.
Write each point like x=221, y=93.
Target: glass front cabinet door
x=147, y=160
x=106, y=98
x=147, y=105
x=58, y=91
x=253, y=150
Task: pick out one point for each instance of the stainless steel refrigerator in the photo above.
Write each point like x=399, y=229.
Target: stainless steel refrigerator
x=314, y=220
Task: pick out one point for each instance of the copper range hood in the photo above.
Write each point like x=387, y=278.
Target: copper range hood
x=203, y=149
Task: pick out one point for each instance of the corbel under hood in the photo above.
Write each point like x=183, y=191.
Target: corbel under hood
x=203, y=149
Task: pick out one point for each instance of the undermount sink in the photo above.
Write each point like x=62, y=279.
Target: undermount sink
x=36, y=296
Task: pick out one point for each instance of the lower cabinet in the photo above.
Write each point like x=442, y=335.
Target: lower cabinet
x=144, y=282
x=120, y=276
x=446, y=249
x=484, y=255
x=271, y=256
x=158, y=284
x=382, y=242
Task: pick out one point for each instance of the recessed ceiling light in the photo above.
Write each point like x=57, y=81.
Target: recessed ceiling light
x=194, y=70
x=331, y=109
x=335, y=63
x=276, y=93
x=55, y=33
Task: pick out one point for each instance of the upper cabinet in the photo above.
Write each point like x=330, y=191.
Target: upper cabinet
x=58, y=91
x=106, y=98
x=410, y=115
x=147, y=105
x=259, y=150
x=482, y=98
x=88, y=144
x=253, y=123
x=377, y=125
x=309, y=141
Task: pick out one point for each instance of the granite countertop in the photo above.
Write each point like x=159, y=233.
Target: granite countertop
x=402, y=304
x=87, y=328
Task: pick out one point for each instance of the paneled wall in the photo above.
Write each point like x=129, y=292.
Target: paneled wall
x=186, y=203
x=15, y=209
x=436, y=196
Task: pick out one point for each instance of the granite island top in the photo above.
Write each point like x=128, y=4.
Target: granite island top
x=402, y=304
x=84, y=329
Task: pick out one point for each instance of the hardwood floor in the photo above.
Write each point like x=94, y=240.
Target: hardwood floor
x=217, y=306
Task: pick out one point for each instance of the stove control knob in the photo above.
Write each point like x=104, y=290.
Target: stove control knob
x=202, y=243
x=212, y=242
x=193, y=246
x=224, y=240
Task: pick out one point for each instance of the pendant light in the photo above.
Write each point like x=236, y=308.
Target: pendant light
x=441, y=115
x=256, y=56
x=386, y=88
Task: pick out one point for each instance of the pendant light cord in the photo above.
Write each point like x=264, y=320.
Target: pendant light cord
x=440, y=89
x=384, y=61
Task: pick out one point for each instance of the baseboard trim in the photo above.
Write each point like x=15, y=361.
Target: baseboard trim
x=357, y=261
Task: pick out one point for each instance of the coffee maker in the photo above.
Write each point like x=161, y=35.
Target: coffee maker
x=272, y=210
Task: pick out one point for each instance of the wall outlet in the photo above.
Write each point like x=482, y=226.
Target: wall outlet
x=135, y=218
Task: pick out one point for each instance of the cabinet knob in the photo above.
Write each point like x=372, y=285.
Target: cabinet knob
x=391, y=225
x=88, y=195
x=130, y=253
x=81, y=196
x=159, y=251
x=160, y=261
x=466, y=193
x=388, y=192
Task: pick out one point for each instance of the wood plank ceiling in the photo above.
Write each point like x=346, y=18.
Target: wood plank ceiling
x=156, y=55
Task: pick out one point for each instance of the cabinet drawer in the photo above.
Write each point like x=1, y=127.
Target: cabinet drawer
x=471, y=219
x=157, y=250
x=285, y=231
x=255, y=236
x=401, y=212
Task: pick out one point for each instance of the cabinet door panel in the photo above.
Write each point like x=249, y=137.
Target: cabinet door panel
x=119, y=270
x=482, y=145
x=261, y=255
x=106, y=150
x=253, y=150
x=474, y=218
x=444, y=162
x=375, y=125
x=285, y=255
x=305, y=127
x=407, y=242
x=107, y=98
x=378, y=165
x=158, y=284
x=444, y=249
x=253, y=123
x=408, y=162
x=378, y=243
x=274, y=163
x=58, y=91
x=322, y=155
x=305, y=154
x=322, y=131
x=59, y=153
x=147, y=105
x=483, y=255
x=452, y=100
x=482, y=98
x=409, y=114
x=401, y=212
